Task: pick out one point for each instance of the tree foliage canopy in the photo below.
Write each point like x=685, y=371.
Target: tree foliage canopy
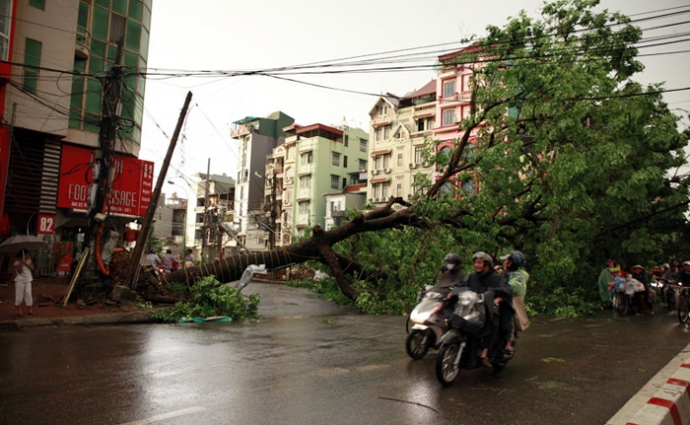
x=574, y=160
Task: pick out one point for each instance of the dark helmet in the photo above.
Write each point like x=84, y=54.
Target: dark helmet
x=517, y=257
x=483, y=256
x=452, y=258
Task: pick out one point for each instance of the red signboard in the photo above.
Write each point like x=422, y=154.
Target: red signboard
x=46, y=224
x=130, y=191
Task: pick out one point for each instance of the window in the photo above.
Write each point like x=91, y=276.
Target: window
x=398, y=190
x=305, y=181
x=32, y=57
x=465, y=82
x=386, y=161
x=420, y=124
x=377, y=190
x=448, y=117
x=346, y=141
x=400, y=159
x=377, y=162
x=362, y=165
x=5, y=11
x=334, y=182
x=470, y=187
x=335, y=159
x=304, y=207
x=386, y=132
x=117, y=29
x=449, y=88
x=418, y=154
x=385, y=188
x=379, y=134
x=384, y=110
x=345, y=161
x=307, y=158
x=40, y=4
x=362, y=145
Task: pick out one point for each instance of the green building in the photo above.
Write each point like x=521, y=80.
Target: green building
x=101, y=26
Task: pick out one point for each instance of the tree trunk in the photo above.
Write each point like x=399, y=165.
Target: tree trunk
x=318, y=247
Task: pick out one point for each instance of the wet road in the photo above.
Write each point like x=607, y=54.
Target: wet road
x=346, y=369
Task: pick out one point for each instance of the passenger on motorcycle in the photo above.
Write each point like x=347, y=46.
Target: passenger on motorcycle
x=640, y=275
x=513, y=264
x=684, y=275
x=454, y=275
x=494, y=286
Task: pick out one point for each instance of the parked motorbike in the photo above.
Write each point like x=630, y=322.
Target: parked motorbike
x=429, y=323
x=460, y=345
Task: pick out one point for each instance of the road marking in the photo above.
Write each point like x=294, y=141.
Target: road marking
x=165, y=416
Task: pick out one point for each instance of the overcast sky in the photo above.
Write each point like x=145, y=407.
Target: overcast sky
x=243, y=35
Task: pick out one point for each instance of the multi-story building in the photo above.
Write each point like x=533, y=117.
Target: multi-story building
x=169, y=222
x=314, y=160
x=401, y=129
x=61, y=50
x=210, y=215
x=257, y=138
x=352, y=198
x=454, y=95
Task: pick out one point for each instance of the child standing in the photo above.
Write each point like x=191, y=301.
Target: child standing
x=22, y=283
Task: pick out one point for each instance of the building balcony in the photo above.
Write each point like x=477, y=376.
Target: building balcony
x=336, y=213
x=457, y=98
x=239, y=132
x=83, y=42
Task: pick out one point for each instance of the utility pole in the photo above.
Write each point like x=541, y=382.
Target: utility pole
x=143, y=236
x=112, y=86
x=273, y=214
x=206, y=227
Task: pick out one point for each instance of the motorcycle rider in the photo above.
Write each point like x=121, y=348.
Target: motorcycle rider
x=639, y=273
x=514, y=265
x=453, y=276
x=495, y=288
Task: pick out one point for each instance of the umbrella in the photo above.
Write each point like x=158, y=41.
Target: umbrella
x=15, y=243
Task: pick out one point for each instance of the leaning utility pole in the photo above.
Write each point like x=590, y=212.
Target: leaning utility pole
x=143, y=236
x=112, y=86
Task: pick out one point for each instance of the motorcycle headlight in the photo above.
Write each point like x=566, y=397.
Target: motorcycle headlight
x=418, y=317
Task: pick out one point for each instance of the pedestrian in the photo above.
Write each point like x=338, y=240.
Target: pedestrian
x=169, y=261
x=189, y=260
x=154, y=259
x=22, y=282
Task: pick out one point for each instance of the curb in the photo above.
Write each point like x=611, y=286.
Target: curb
x=92, y=319
x=664, y=400
x=671, y=402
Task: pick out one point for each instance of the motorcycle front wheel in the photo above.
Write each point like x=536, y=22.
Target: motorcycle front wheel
x=446, y=371
x=683, y=309
x=417, y=344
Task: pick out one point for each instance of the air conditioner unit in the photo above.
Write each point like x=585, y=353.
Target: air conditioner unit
x=387, y=170
x=413, y=166
x=427, y=164
x=374, y=172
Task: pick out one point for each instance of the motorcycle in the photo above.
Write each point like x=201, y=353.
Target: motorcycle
x=429, y=323
x=460, y=345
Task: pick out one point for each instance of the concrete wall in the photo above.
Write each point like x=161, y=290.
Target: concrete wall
x=55, y=27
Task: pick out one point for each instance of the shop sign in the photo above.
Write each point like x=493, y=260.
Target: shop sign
x=130, y=191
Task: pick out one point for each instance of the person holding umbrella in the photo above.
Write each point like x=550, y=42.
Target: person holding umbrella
x=22, y=282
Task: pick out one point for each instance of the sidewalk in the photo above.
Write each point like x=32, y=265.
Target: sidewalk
x=47, y=295
x=277, y=301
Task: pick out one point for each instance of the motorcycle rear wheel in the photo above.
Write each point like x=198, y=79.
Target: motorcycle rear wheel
x=621, y=304
x=446, y=371
x=417, y=344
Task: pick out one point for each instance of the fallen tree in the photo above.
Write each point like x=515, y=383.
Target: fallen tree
x=573, y=159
